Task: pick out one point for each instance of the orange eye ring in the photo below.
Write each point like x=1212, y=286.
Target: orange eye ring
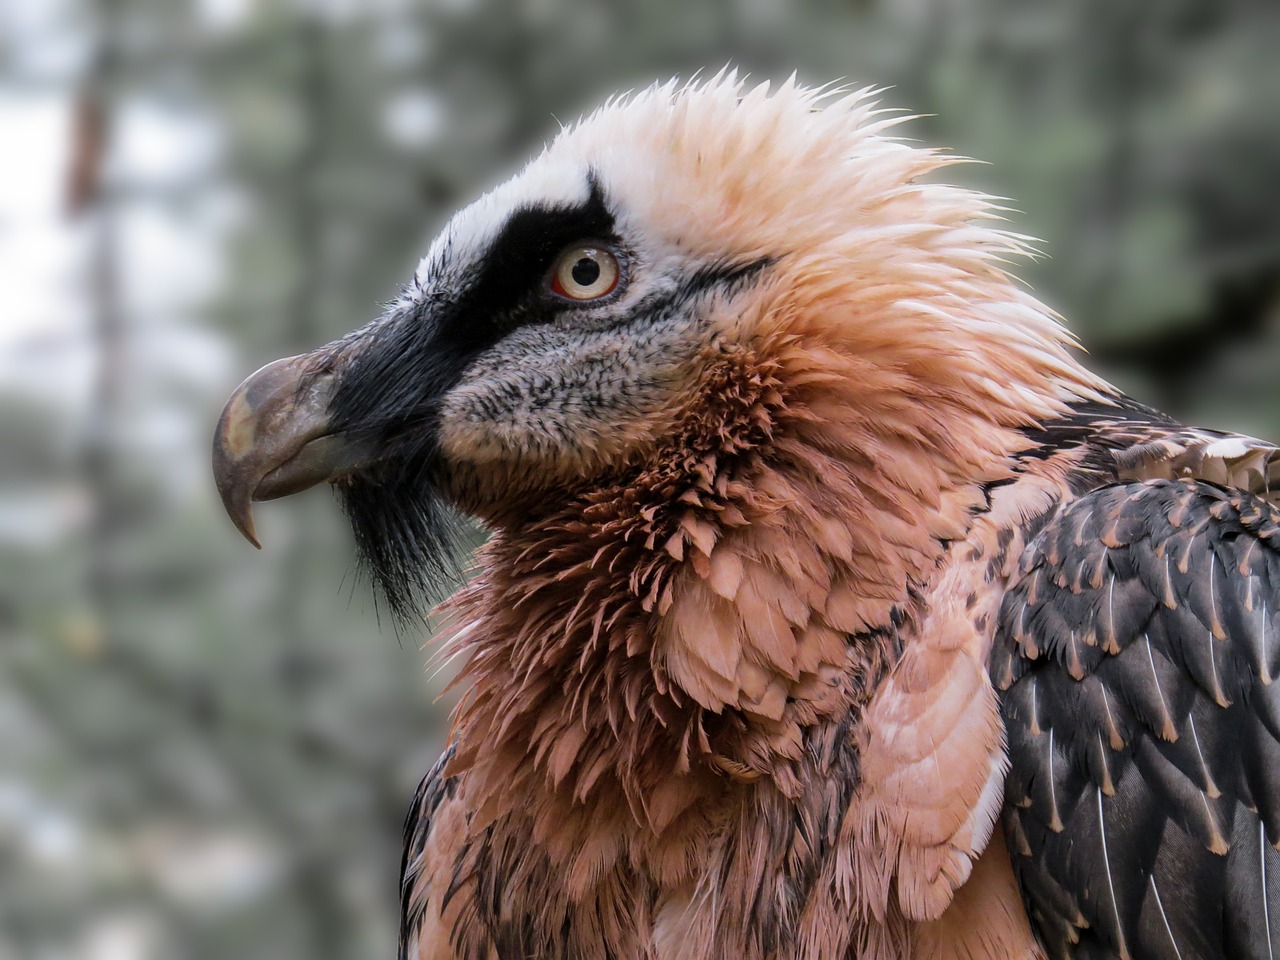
x=585, y=272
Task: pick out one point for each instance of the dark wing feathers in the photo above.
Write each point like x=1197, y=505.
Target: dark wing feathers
x=434, y=789
x=1136, y=653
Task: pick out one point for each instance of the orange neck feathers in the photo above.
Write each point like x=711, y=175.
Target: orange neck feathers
x=675, y=631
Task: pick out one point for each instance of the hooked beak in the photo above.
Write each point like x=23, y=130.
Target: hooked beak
x=275, y=438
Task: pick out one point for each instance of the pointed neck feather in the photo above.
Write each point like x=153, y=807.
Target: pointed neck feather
x=677, y=631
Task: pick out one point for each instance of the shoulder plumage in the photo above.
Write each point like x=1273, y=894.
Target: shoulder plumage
x=1136, y=654
x=1131, y=441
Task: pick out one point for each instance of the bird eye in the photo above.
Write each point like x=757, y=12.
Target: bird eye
x=585, y=272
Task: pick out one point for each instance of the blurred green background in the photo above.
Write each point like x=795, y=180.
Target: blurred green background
x=207, y=752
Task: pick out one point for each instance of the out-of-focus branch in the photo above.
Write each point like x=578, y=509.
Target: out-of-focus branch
x=328, y=929
x=88, y=145
x=88, y=196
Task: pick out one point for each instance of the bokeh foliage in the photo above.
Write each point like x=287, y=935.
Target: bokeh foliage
x=208, y=752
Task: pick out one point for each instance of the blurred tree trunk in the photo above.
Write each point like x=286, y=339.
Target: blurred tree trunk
x=88, y=196
x=300, y=664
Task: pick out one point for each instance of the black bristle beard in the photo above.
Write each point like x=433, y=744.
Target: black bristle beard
x=409, y=540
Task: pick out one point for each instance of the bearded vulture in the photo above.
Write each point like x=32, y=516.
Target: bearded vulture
x=815, y=552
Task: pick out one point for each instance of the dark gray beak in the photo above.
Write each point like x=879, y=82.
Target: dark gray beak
x=274, y=438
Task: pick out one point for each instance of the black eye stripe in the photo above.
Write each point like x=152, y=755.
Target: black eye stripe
x=398, y=369
x=516, y=263
x=423, y=351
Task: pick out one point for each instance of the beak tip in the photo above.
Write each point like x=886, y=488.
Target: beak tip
x=245, y=526
x=235, y=491
x=238, y=503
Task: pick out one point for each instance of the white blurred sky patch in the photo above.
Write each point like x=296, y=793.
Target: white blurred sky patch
x=39, y=249
x=208, y=871
x=44, y=46
x=173, y=217
x=413, y=118
x=163, y=146
x=168, y=265
x=224, y=16
x=47, y=834
x=170, y=252
x=121, y=935
x=35, y=519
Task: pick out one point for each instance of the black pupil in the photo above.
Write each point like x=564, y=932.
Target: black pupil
x=586, y=272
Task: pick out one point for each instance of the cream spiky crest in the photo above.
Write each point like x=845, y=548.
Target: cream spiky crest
x=726, y=172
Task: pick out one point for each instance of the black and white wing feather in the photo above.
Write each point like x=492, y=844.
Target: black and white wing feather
x=1138, y=653
x=434, y=789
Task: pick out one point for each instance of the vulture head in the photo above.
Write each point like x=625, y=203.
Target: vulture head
x=674, y=282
